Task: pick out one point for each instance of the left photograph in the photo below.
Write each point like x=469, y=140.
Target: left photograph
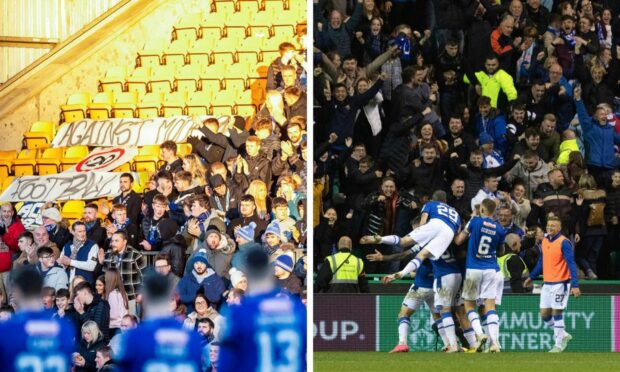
x=153, y=185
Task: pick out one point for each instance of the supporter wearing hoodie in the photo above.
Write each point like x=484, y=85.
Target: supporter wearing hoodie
x=201, y=277
x=53, y=275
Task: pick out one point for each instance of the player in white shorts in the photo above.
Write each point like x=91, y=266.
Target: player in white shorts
x=557, y=265
x=420, y=292
x=481, y=275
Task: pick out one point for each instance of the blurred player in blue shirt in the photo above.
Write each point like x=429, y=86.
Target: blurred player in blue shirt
x=32, y=340
x=267, y=331
x=160, y=343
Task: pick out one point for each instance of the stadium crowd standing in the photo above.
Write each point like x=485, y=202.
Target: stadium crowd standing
x=241, y=189
x=518, y=102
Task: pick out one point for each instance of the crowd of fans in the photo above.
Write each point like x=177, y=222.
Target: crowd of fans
x=518, y=102
x=242, y=188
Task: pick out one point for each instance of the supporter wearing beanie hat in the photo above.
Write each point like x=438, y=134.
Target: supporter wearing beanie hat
x=285, y=262
x=237, y=277
x=245, y=233
x=273, y=228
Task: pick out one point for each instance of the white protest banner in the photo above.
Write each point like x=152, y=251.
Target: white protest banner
x=105, y=159
x=30, y=215
x=125, y=132
x=63, y=186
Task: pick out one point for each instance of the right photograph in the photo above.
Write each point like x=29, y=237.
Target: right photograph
x=466, y=183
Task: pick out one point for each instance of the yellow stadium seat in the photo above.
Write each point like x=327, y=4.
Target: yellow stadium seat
x=147, y=160
x=237, y=30
x=101, y=108
x=228, y=45
x=174, y=55
x=125, y=105
x=73, y=210
x=198, y=103
x=234, y=85
x=149, y=56
x=141, y=183
x=210, y=78
x=161, y=79
x=187, y=28
x=138, y=80
x=72, y=156
x=210, y=32
x=76, y=107
x=7, y=182
x=26, y=162
x=222, y=104
x=40, y=135
x=186, y=79
x=268, y=55
x=199, y=53
x=247, y=8
x=49, y=162
x=252, y=44
x=150, y=105
x=183, y=149
x=222, y=7
x=173, y=104
x=6, y=162
x=114, y=79
x=245, y=109
x=273, y=6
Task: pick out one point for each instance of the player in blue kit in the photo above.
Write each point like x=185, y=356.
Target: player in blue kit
x=446, y=283
x=485, y=237
x=267, y=331
x=420, y=292
x=438, y=225
x=160, y=343
x=31, y=340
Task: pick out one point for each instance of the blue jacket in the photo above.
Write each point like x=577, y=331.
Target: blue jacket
x=599, y=139
x=496, y=128
x=212, y=285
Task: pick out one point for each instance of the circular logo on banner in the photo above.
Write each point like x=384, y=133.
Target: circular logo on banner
x=99, y=161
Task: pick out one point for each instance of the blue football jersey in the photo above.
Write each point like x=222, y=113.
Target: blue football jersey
x=485, y=237
x=444, y=212
x=160, y=345
x=33, y=341
x=446, y=264
x=266, y=332
x=424, y=276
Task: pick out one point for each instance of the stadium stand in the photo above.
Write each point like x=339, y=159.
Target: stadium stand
x=212, y=186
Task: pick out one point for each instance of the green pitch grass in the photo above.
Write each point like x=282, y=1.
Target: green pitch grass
x=438, y=362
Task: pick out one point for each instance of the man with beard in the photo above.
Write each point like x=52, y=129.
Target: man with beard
x=200, y=276
x=129, y=262
x=10, y=226
x=80, y=255
x=94, y=230
x=387, y=210
x=129, y=198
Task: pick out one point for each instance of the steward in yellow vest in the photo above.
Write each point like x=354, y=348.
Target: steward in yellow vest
x=512, y=266
x=342, y=272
